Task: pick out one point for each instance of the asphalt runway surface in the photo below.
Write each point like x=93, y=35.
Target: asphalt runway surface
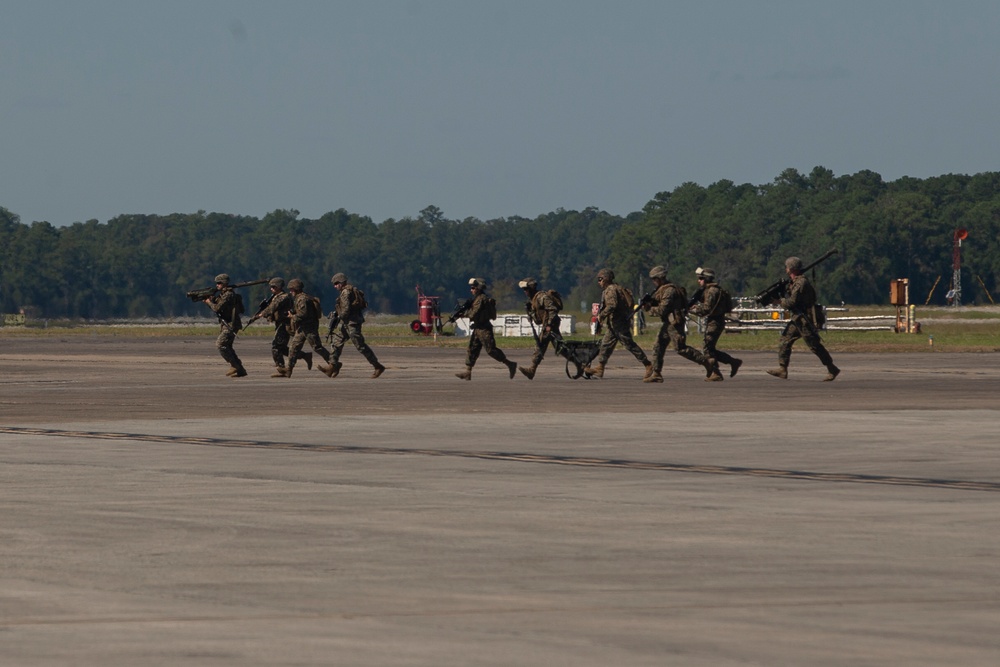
x=156, y=512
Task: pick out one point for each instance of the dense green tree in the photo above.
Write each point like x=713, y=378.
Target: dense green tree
x=141, y=265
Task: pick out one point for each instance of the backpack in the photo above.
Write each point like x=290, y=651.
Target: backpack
x=680, y=299
x=556, y=299
x=239, y=309
x=725, y=302
x=360, y=302
x=490, y=308
x=629, y=299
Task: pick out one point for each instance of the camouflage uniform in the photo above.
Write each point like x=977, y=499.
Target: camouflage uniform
x=545, y=313
x=351, y=318
x=669, y=304
x=614, y=315
x=714, y=324
x=278, y=312
x=801, y=303
x=223, y=303
x=304, y=318
x=481, y=337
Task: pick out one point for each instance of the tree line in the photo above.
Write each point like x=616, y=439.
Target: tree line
x=142, y=265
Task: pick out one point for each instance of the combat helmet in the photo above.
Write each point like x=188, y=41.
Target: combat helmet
x=277, y=282
x=793, y=264
x=477, y=282
x=606, y=273
x=296, y=285
x=658, y=272
x=528, y=283
x=706, y=273
x=222, y=278
x=339, y=278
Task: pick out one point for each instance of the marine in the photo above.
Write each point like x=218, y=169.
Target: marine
x=225, y=303
x=304, y=321
x=713, y=304
x=543, y=308
x=615, y=315
x=349, y=312
x=669, y=303
x=800, y=302
x=481, y=312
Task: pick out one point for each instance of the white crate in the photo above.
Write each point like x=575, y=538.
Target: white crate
x=516, y=325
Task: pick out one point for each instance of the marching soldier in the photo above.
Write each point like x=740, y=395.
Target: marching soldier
x=481, y=313
x=225, y=303
x=349, y=316
x=712, y=304
x=304, y=317
x=615, y=315
x=543, y=308
x=277, y=311
x=669, y=303
x=801, y=303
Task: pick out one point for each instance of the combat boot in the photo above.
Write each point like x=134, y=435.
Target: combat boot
x=240, y=372
x=379, y=369
x=332, y=369
x=308, y=358
x=595, y=371
x=832, y=373
x=232, y=371
x=653, y=377
x=735, y=367
x=649, y=371
x=511, y=368
x=466, y=374
x=716, y=376
x=280, y=372
x=779, y=372
x=529, y=371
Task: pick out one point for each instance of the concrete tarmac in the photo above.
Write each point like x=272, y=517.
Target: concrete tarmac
x=156, y=512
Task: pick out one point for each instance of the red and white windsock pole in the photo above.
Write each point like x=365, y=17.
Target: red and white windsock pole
x=956, y=265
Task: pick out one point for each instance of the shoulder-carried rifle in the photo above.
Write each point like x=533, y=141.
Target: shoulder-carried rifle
x=261, y=307
x=695, y=298
x=647, y=298
x=460, y=310
x=773, y=293
x=202, y=294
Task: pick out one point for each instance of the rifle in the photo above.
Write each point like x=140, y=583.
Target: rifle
x=260, y=309
x=332, y=326
x=202, y=294
x=774, y=293
x=695, y=298
x=531, y=321
x=460, y=310
x=557, y=343
x=647, y=298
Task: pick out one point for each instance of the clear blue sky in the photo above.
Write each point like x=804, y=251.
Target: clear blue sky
x=484, y=109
